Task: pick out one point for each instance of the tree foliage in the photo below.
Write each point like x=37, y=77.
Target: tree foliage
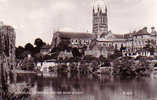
x=127, y=67
x=39, y=42
x=19, y=52
x=29, y=47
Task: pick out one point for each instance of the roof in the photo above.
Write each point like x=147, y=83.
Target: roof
x=119, y=36
x=142, y=32
x=77, y=35
x=154, y=33
x=114, y=36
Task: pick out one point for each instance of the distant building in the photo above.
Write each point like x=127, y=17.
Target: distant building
x=79, y=40
x=138, y=40
x=75, y=39
x=130, y=43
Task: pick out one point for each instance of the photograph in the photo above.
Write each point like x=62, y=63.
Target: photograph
x=78, y=49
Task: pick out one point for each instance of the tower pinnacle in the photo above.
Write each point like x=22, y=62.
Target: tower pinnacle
x=100, y=20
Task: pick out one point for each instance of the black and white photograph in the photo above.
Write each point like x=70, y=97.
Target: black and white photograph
x=78, y=49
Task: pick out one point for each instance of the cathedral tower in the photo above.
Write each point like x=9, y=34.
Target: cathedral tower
x=100, y=20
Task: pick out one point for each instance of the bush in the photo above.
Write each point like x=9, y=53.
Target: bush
x=127, y=67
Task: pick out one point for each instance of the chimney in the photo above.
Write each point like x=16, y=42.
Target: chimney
x=152, y=29
x=145, y=30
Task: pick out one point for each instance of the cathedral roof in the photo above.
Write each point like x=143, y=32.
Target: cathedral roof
x=119, y=36
x=76, y=35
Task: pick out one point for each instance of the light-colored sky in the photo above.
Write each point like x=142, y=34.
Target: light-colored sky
x=39, y=18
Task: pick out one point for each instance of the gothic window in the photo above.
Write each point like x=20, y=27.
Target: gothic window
x=84, y=41
x=1, y=44
x=110, y=45
x=121, y=45
x=55, y=42
x=102, y=20
x=142, y=36
x=11, y=48
x=116, y=46
x=139, y=42
x=6, y=46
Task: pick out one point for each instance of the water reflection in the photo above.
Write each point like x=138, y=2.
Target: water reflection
x=90, y=89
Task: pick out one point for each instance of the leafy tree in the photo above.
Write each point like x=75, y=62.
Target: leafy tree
x=115, y=55
x=19, y=52
x=36, y=50
x=39, y=42
x=64, y=45
x=38, y=57
x=127, y=67
x=27, y=64
x=29, y=47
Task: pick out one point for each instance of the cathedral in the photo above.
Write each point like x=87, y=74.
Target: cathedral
x=102, y=41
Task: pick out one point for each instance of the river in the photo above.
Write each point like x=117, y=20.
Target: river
x=83, y=88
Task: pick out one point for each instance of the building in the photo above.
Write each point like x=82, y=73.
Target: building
x=100, y=21
x=131, y=43
x=76, y=39
x=82, y=39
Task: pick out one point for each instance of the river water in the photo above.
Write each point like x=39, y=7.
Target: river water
x=83, y=88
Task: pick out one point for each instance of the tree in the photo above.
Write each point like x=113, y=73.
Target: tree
x=115, y=55
x=149, y=47
x=27, y=64
x=29, y=47
x=64, y=45
x=19, y=52
x=39, y=42
x=128, y=67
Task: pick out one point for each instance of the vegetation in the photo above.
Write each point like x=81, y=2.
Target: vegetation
x=127, y=67
x=124, y=67
x=116, y=55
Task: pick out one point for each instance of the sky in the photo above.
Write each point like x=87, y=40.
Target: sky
x=41, y=18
